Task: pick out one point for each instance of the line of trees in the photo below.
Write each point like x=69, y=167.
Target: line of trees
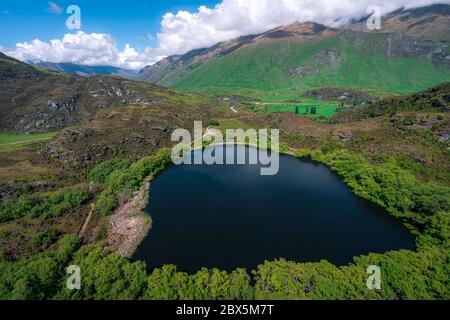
x=313, y=110
x=405, y=275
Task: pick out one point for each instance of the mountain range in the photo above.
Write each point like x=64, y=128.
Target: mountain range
x=428, y=23
x=83, y=70
x=410, y=53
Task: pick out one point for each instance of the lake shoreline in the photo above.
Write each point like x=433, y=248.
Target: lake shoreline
x=154, y=249
x=130, y=225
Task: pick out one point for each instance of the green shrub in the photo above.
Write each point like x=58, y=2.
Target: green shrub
x=387, y=184
x=214, y=122
x=24, y=205
x=40, y=206
x=107, y=277
x=101, y=172
x=106, y=203
x=45, y=238
x=39, y=276
x=130, y=178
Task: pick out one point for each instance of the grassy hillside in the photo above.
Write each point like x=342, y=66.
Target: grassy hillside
x=12, y=142
x=327, y=111
x=265, y=68
x=6, y=138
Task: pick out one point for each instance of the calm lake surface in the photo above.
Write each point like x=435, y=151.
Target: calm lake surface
x=229, y=216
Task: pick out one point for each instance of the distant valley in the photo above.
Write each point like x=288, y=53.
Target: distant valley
x=83, y=70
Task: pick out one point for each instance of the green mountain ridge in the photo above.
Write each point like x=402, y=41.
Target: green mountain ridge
x=340, y=61
x=293, y=59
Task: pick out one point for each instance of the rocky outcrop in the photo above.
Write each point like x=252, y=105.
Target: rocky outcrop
x=13, y=189
x=330, y=58
x=346, y=96
x=398, y=45
x=427, y=23
x=126, y=132
x=129, y=225
x=36, y=101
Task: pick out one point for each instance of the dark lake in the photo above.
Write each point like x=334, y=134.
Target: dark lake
x=229, y=216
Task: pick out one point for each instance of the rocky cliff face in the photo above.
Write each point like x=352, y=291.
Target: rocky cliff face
x=126, y=132
x=398, y=45
x=33, y=100
x=427, y=23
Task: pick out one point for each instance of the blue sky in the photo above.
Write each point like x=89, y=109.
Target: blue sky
x=130, y=21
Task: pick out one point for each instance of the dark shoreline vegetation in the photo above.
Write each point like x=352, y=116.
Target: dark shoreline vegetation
x=422, y=274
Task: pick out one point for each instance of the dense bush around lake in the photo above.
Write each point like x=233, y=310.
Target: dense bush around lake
x=390, y=186
x=130, y=178
x=102, y=171
x=404, y=275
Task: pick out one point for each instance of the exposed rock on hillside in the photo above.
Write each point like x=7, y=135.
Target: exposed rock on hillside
x=34, y=101
x=129, y=132
x=174, y=68
x=129, y=225
x=346, y=96
x=431, y=100
x=429, y=23
x=326, y=58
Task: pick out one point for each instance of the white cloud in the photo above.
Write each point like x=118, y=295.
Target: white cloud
x=54, y=8
x=184, y=31
x=84, y=48
x=233, y=18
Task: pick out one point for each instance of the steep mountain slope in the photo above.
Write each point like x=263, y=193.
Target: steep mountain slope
x=291, y=59
x=382, y=63
x=429, y=23
x=83, y=70
x=33, y=100
x=173, y=68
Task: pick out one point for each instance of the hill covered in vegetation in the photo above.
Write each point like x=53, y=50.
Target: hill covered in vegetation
x=34, y=100
x=301, y=57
